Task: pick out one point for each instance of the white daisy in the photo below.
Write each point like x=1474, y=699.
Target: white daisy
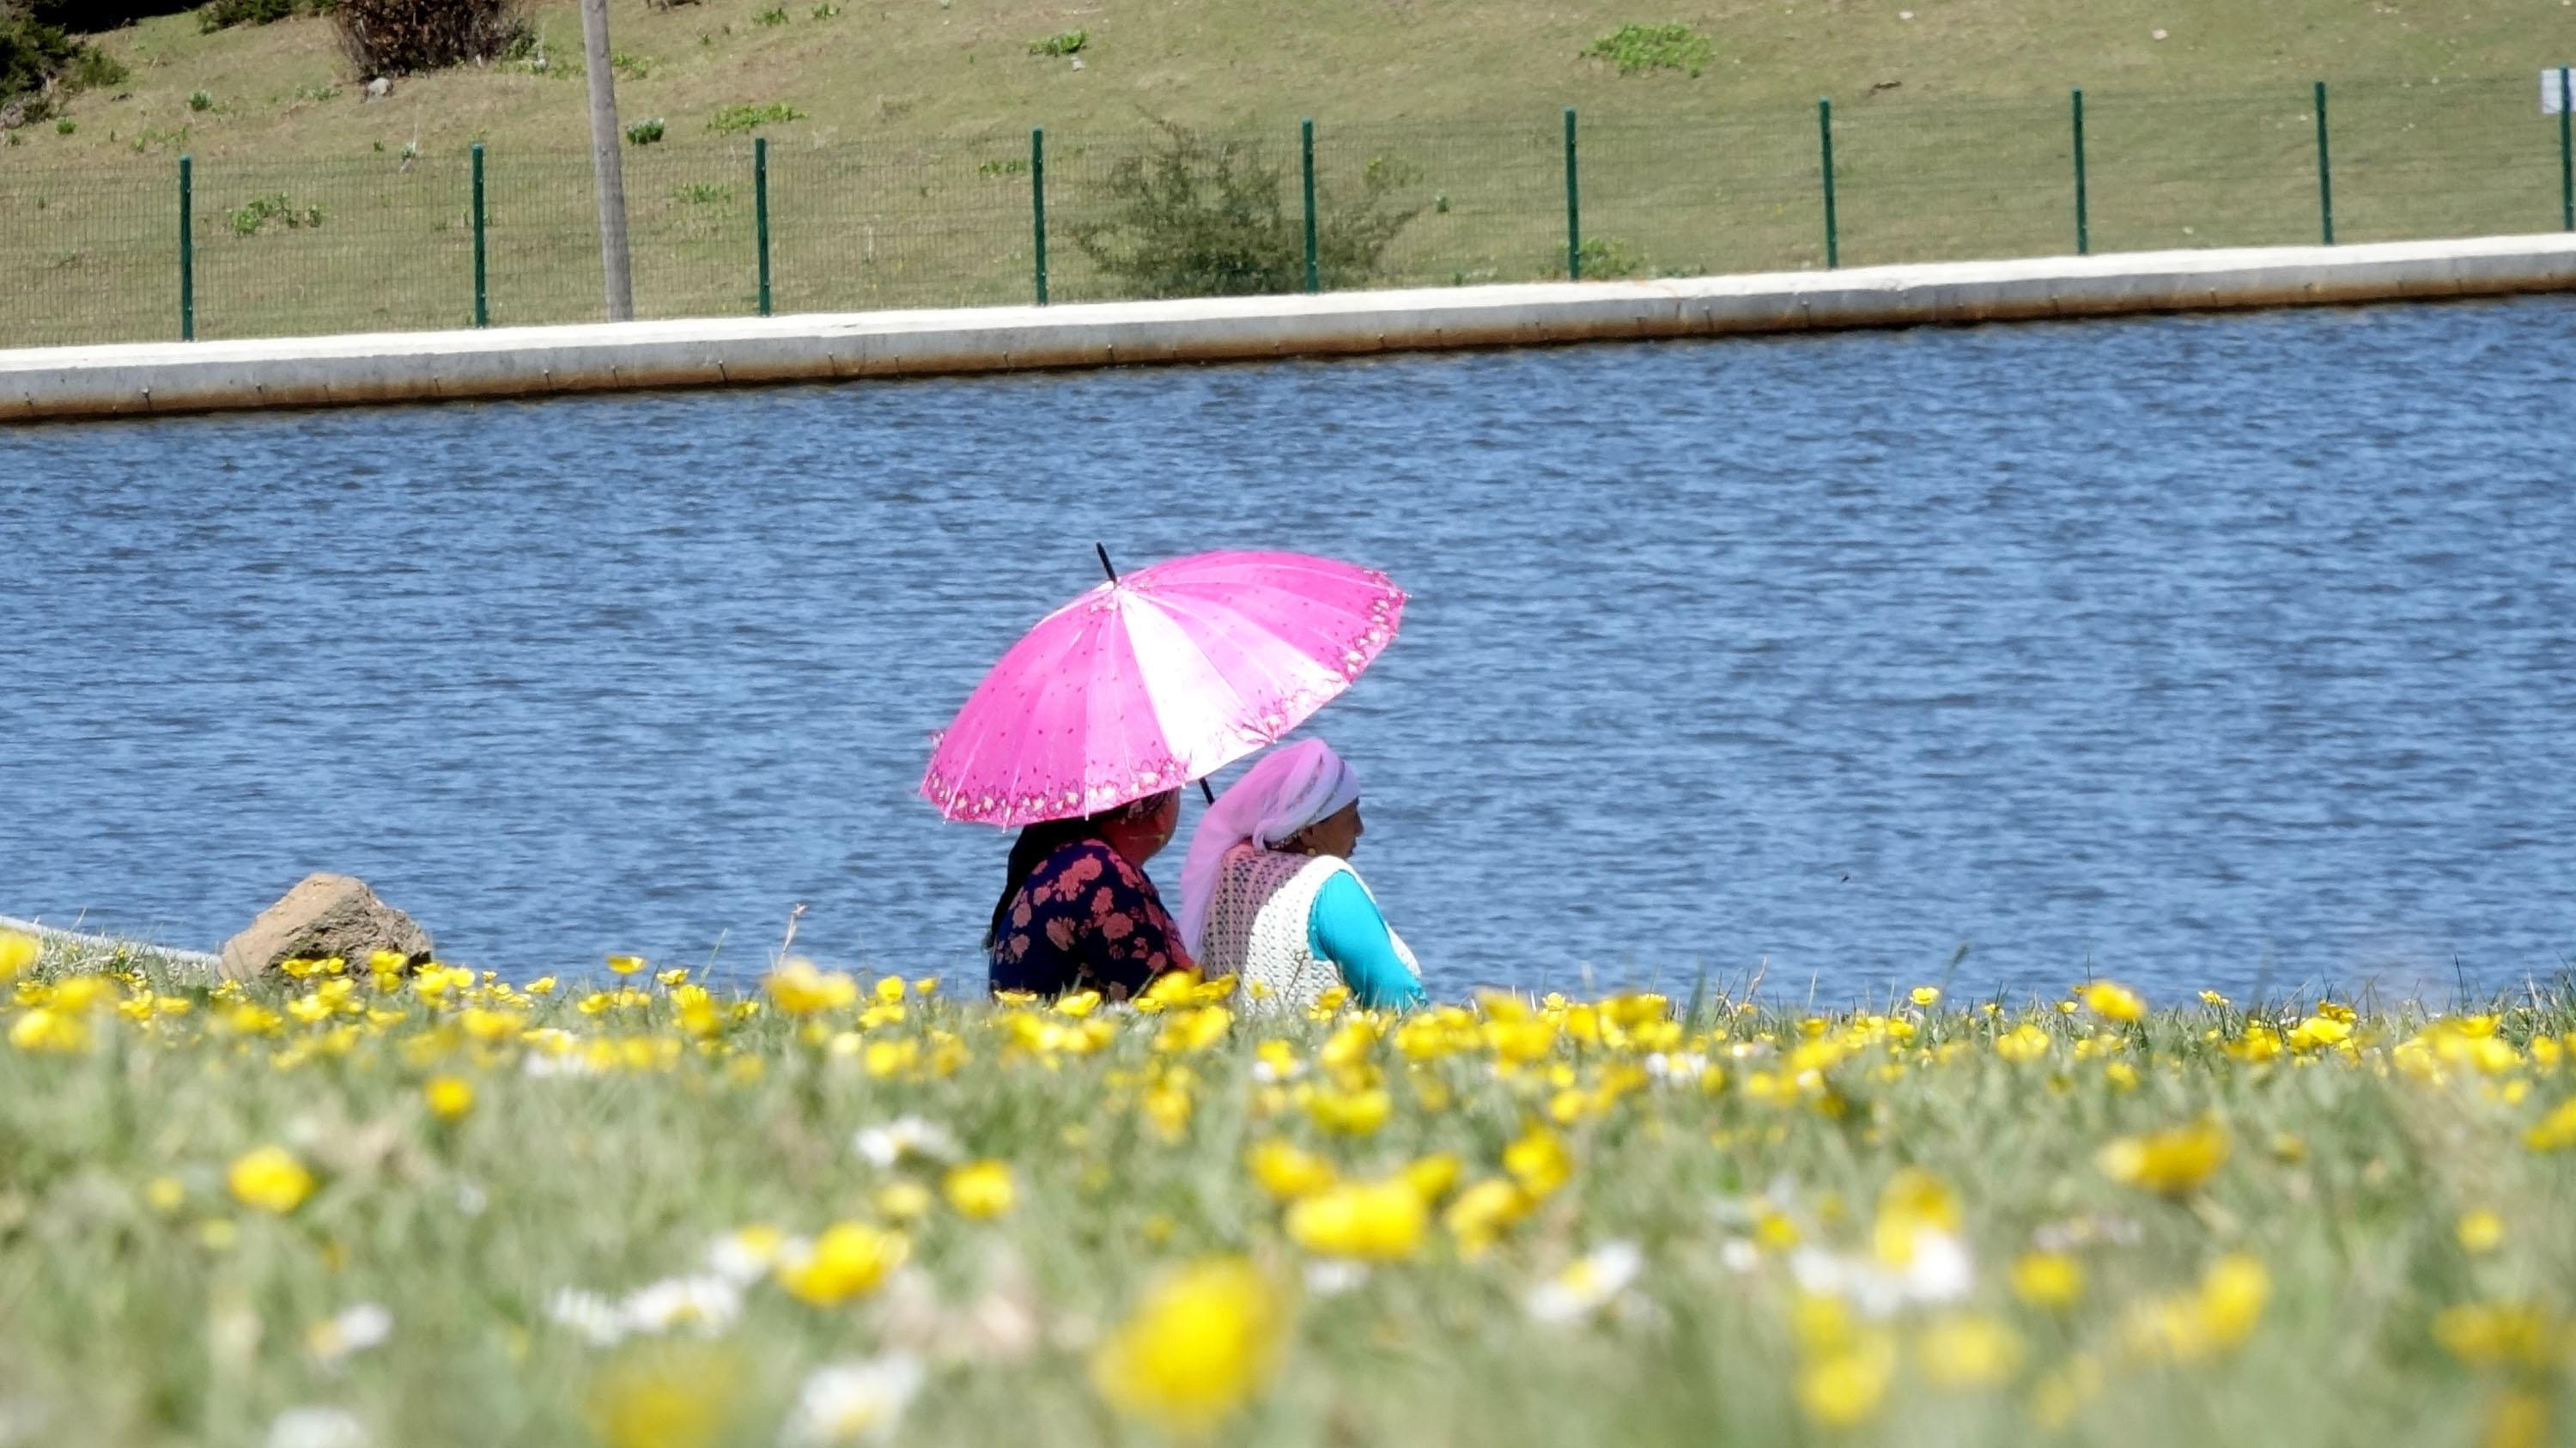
x=588, y=1313
x=847, y=1402
x=317, y=1428
x=1586, y=1283
x=907, y=1136
x=707, y=1304
x=352, y=1330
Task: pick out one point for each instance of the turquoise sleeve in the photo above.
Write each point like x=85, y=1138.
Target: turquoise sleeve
x=1346, y=929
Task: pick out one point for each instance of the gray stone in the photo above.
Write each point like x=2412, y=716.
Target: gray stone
x=323, y=916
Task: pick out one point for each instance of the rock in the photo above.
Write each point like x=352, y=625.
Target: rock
x=323, y=916
x=379, y=88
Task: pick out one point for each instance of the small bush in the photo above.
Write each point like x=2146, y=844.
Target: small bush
x=1068, y=42
x=402, y=37
x=257, y=213
x=225, y=14
x=645, y=133
x=826, y=10
x=201, y=100
x=633, y=67
x=65, y=126
x=702, y=193
x=1605, y=259
x=1639, y=49
x=1002, y=166
x=732, y=119
x=1194, y=217
x=32, y=53
x=774, y=15
x=95, y=69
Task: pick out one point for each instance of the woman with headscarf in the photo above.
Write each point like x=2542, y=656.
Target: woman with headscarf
x=1268, y=892
x=1077, y=912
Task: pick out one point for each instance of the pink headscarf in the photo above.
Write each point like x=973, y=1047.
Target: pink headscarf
x=1292, y=787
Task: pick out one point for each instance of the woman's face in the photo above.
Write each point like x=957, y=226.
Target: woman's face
x=1159, y=827
x=1337, y=833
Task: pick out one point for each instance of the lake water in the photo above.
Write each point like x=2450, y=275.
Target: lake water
x=2230, y=651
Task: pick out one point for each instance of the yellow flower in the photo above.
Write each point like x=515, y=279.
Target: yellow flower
x=2025, y=1042
x=889, y=990
x=2174, y=1161
x=903, y=1201
x=1968, y=1350
x=2500, y=1334
x=449, y=1097
x=850, y=1260
x=2213, y=998
x=663, y=1396
x=2115, y=1002
x=2481, y=1230
x=1433, y=1177
x=1381, y=1221
x=165, y=1194
x=1204, y=1340
x=1845, y=1387
x=17, y=952
x=626, y=964
x=798, y=989
x=46, y=1031
x=980, y=1189
x=1187, y=1032
x=1925, y=995
x=2047, y=1279
x=2218, y=1316
x=542, y=985
x=1482, y=1211
x=2318, y=1032
x=2555, y=1132
x=270, y=1179
x=1351, y=1113
x=2519, y=1419
x=1914, y=1204
x=1539, y=1161
x=1287, y=1173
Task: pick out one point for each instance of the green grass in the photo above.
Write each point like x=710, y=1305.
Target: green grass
x=1951, y=141
x=2381, y=1188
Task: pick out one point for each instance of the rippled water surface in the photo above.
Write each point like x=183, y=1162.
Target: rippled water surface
x=2199, y=651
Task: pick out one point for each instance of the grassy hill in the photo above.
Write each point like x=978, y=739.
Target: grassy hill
x=901, y=180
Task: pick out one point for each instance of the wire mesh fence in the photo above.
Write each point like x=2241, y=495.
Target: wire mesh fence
x=729, y=226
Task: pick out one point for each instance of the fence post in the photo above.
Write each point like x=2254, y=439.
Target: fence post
x=1825, y=132
x=760, y=212
x=187, y=255
x=482, y=294
x=1037, y=201
x=2083, y=227
x=1573, y=207
x=2566, y=152
x=2325, y=173
x=1306, y=150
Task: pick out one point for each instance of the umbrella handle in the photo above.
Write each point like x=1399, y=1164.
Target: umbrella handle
x=1102, y=549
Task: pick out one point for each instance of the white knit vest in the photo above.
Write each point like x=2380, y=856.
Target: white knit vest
x=1257, y=927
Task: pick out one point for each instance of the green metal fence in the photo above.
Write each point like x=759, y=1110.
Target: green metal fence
x=236, y=246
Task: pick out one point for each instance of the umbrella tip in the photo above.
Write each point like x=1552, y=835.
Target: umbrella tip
x=1103, y=550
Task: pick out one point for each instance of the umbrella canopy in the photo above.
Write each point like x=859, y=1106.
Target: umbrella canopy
x=1157, y=678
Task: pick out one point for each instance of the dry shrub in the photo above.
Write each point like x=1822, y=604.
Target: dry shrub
x=400, y=37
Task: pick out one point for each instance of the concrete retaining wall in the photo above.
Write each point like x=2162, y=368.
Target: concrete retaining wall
x=527, y=361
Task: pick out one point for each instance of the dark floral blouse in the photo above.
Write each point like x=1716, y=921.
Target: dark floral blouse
x=1086, y=919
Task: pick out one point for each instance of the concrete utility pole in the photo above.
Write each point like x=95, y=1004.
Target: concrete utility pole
x=607, y=161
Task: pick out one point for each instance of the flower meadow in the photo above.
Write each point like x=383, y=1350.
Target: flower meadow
x=371, y=1203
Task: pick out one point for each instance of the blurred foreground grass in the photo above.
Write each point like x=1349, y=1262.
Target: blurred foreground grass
x=433, y=1207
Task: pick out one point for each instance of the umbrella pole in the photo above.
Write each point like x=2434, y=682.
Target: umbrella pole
x=1102, y=549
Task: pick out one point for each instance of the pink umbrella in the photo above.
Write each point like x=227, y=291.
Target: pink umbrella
x=1155, y=679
